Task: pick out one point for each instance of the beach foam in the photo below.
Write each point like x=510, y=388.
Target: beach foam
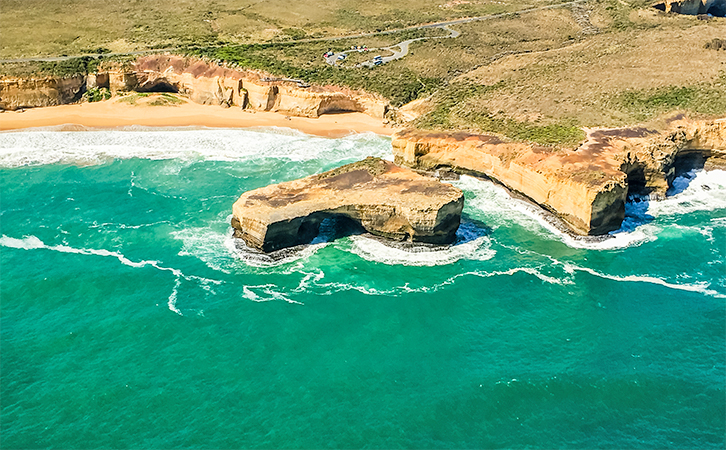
x=185, y=144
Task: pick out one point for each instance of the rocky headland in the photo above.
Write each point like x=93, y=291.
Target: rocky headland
x=375, y=195
x=586, y=187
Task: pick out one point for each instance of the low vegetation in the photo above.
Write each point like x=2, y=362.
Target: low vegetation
x=456, y=109
x=704, y=98
x=538, y=76
x=152, y=99
x=96, y=95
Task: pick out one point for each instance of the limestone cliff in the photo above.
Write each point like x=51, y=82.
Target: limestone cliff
x=382, y=198
x=202, y=81
x=586, y=187
x=16, y=93
x=208, y=83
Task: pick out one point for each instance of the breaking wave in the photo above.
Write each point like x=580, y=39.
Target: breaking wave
x=100, y=147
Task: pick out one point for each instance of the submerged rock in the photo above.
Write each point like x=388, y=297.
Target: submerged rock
x=379, y=196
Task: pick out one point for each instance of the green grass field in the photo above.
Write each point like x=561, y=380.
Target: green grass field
x=537, y=76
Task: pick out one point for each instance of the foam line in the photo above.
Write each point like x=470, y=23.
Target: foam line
x=172, y=297
x=249, y=294
x=494, y=204
x=376, y=251
x=700, y=287
x=34, y=243
x=21, y=148
x=311, y=281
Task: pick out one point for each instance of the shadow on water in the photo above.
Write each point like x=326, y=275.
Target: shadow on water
x=337, y=227
x=687, y=166
x=636, y=213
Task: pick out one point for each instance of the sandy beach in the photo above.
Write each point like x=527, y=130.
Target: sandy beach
x=112, y=113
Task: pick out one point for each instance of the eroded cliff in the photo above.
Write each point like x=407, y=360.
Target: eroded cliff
x=202, y=81
x=382, y=198
x=17, y=93
x=586, y=187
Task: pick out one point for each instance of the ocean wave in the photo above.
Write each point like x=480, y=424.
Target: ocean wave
x=34, y=243
x=23, y=148
x=313, y=282
x=699, y=287
x=697, y=191
x=267, y=294
x=375, y=250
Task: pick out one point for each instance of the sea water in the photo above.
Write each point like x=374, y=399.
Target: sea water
x=131, y=318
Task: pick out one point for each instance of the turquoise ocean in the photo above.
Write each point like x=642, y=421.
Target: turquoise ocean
x=130, y=318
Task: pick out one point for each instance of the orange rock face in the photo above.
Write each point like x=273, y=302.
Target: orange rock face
x=586, y=187
x=211, y=84
x=203, y=82
x=380, y=197
x=18, y=93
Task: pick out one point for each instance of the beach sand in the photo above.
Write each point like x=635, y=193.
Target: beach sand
x=112, y=113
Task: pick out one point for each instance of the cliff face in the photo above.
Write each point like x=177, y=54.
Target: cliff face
x=202, y=82
x=18, y=93
x=211, y=84
x=382, y=198
x=586, y=187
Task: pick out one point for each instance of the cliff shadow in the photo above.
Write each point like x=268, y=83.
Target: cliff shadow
x=335, y=226
x=636, y=213
x=159, y=85
x=471, y=229
x=686, y=165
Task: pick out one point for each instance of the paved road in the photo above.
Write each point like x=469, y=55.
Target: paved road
x=401, y=49
x=337, y=38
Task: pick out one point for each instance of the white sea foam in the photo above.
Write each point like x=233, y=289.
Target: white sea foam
x=372, y=249
x=257, y=259
x=34, y=243
x=313, y=282
x=171, y=303
x=697, y=191
x=493, y=204
x=207, y=245
x=268, y=293
x=186, y=144
x=700, y=287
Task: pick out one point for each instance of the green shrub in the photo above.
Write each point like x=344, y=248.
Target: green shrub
x=69, y=67
x=456, y=109
x=705, y=98
x=399, y=85
x=96, y=95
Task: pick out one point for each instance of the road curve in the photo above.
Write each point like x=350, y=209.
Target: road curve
x=335, y=38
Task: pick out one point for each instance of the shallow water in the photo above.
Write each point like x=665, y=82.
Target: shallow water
x=131, y=318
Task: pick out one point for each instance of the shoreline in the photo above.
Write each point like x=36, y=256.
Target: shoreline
x=112, y=113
